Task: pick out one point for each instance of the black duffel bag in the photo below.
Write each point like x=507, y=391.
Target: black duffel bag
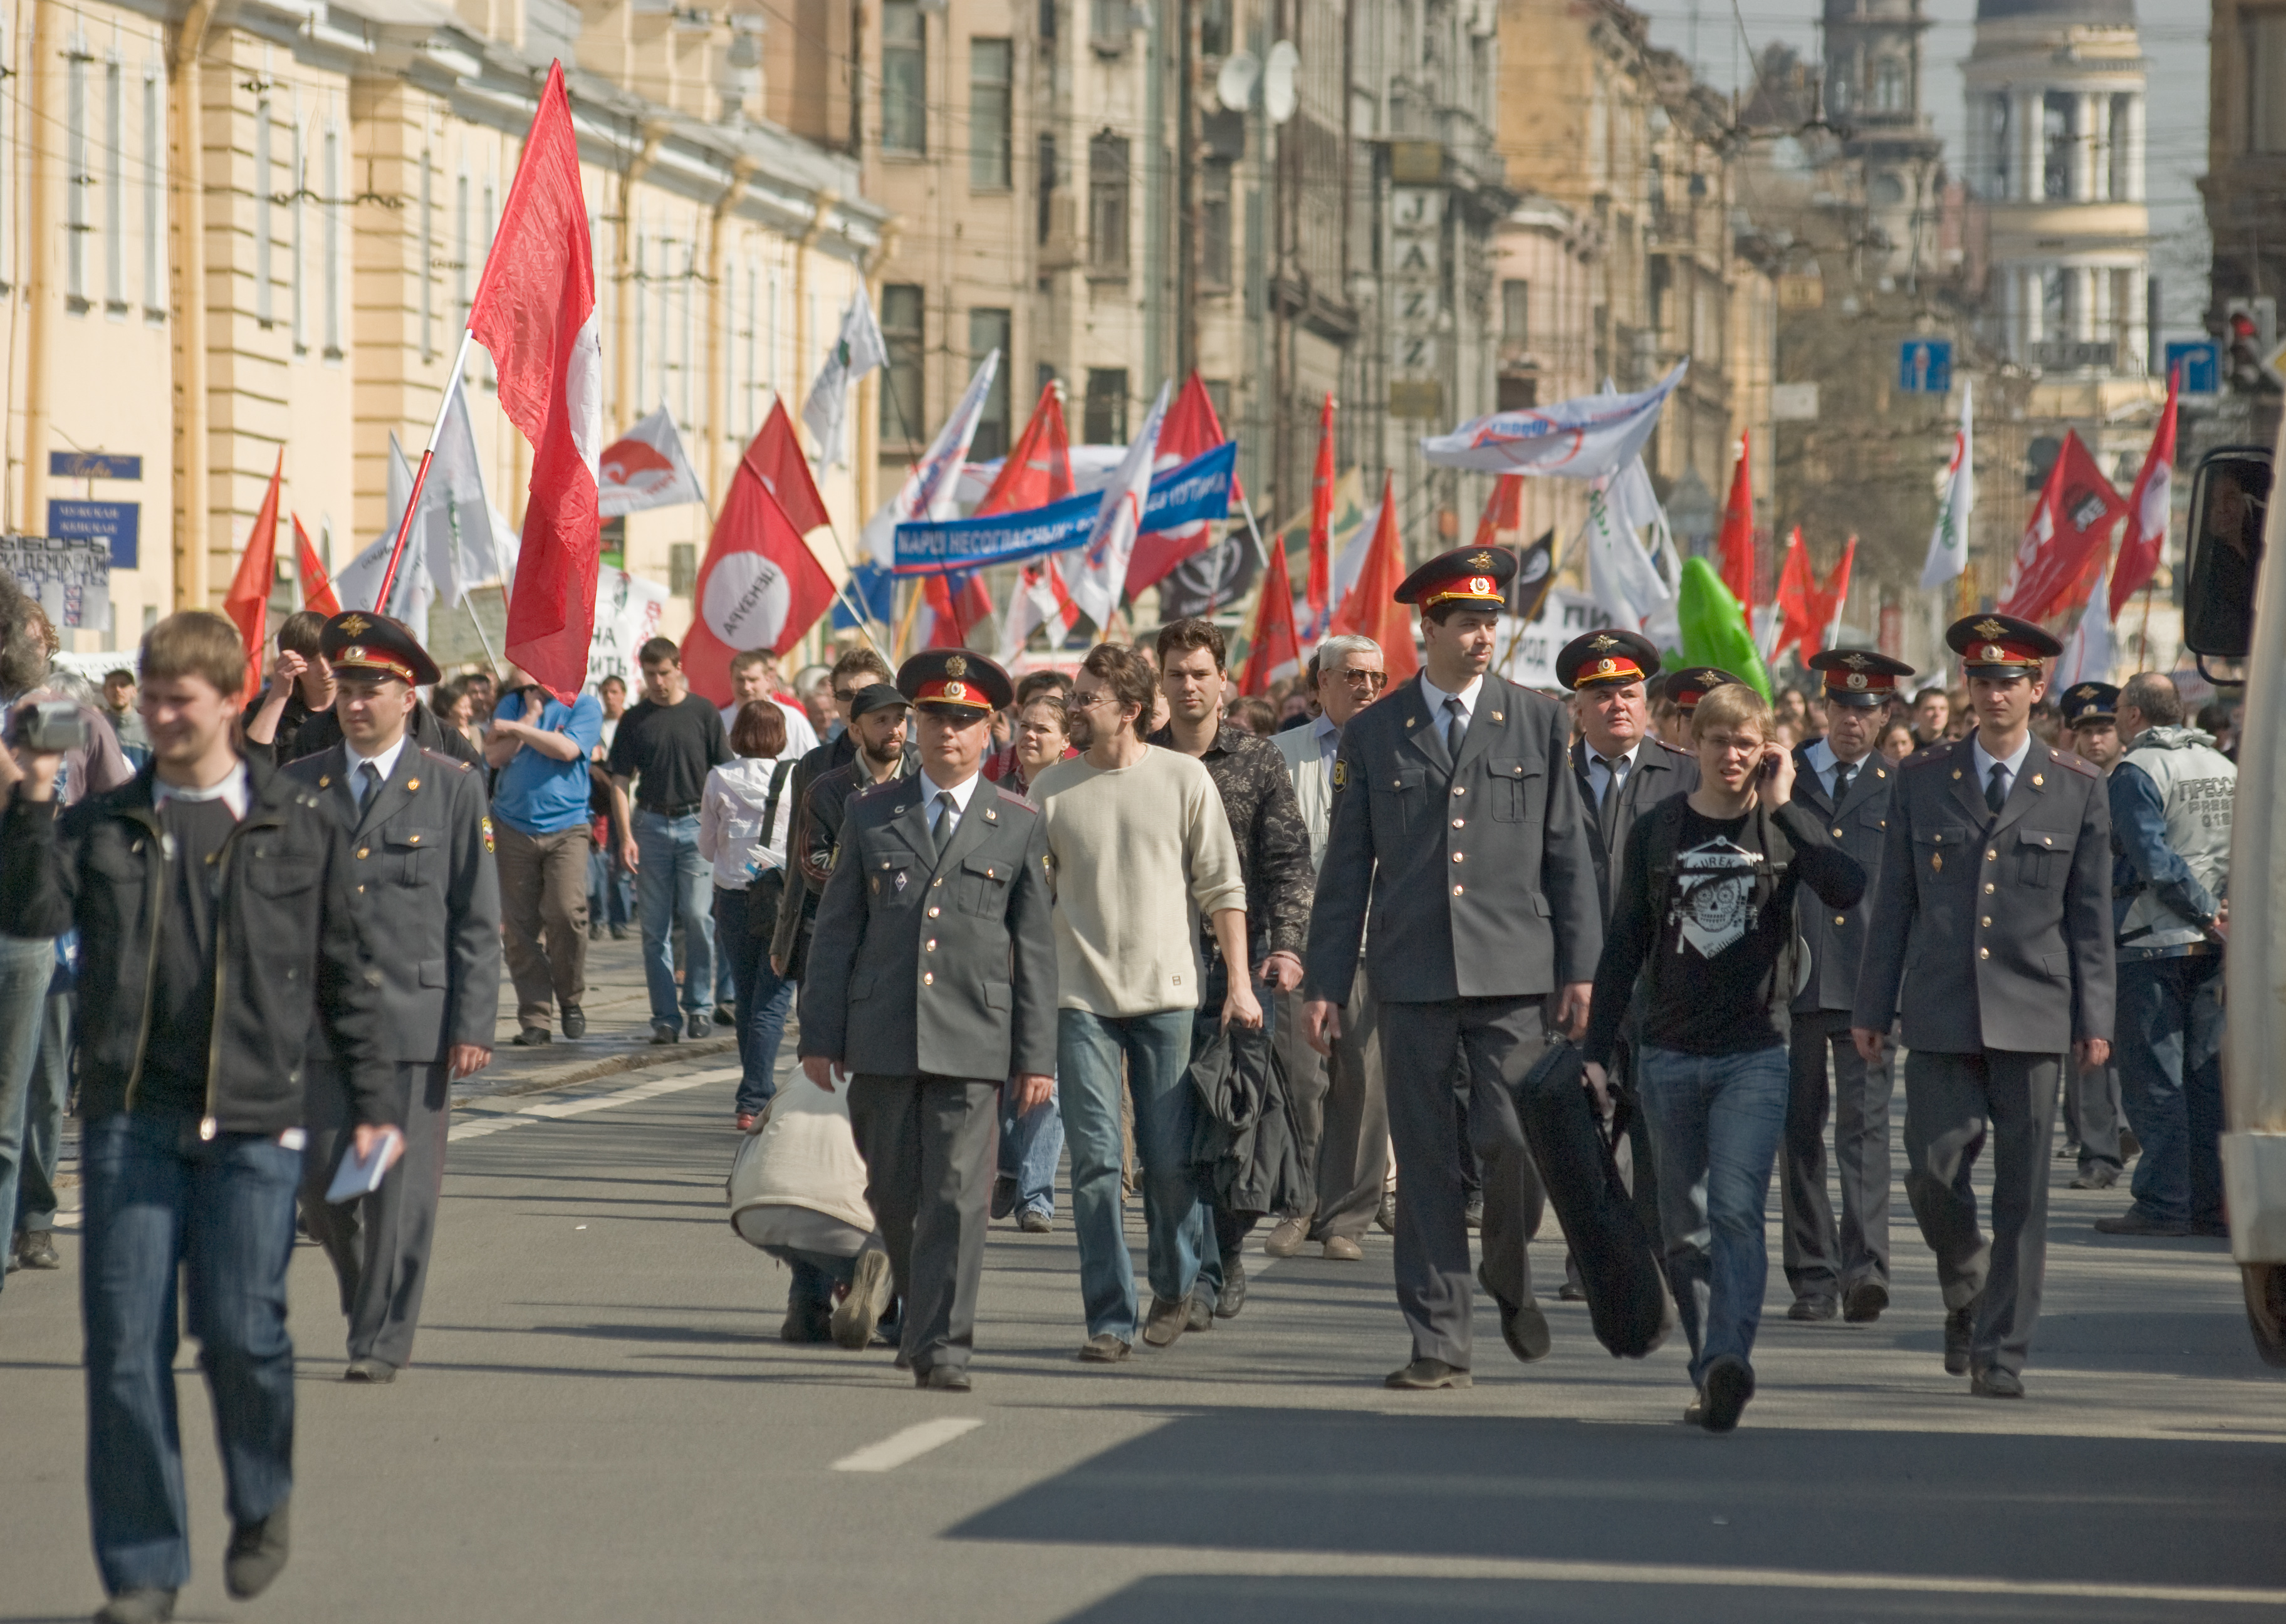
x=1571, y=1145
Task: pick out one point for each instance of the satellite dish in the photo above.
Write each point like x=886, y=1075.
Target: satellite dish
x=1278, y=80
x=1234, y=84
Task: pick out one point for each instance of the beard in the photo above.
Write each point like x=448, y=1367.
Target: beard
x=1082, y=731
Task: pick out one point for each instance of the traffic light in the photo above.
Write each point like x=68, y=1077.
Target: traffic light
x=2250, y=336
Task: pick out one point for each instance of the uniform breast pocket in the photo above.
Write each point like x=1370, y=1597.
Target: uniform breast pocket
x=1944, y=857
x=413, y=853
x=2041, y=855
x=1402, y=793
x=1514, y=786
x=984, y=887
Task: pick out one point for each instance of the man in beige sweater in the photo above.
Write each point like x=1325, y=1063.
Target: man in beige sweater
x=1138, y=849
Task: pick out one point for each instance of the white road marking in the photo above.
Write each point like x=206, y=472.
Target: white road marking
x=483, y=1122
x=894, y=1450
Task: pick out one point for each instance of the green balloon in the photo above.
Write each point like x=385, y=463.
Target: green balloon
x=1715, y=630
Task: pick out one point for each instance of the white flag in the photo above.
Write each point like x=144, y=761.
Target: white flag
x=1948, y=549
x=1634, y=506
x=1621, y=577
x=2087, y=652
x=1590, y=436
x=1103, y=566
x=357, y=582
x=646, y=468
x=456, y=521
x=932, y=487
x=856, y=352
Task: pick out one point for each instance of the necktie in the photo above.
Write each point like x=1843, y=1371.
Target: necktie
x=940, y=828
x=1842, y=773
x=369, y=782
x=1456, y=726
x=1996, y=789
x=1611, y=779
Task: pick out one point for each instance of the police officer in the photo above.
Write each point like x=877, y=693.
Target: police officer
x=2091, y=1110
x=428, y=911
x=1844, y=783
x=1456, y=817
x=1996, y=889
x=1685, y=688
x=933, y=982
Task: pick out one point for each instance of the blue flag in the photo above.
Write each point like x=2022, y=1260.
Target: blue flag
x=1200, y=489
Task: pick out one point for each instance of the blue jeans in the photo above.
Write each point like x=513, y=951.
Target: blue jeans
x=674, y=883
x=763, y=996
x=43, y=1109
x=26, y=966
x=1031, y=1144
x=1176, y=1210
x=157, y=1196
x=1715, y=1122
x=611, y=890
x=2170, y=1053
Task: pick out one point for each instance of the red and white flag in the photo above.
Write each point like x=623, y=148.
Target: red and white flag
x=646, y=468
x=775, y=457
x=535, y=313
x=2070, y=524
x=959, y=602
x=1038, y=471
x=1040, y=599
x=1190, y=428
x=248, y=601
x=760, y=586
x=1104, y=563
x=1274, y=652
x=2147, y=509
x=317, y=591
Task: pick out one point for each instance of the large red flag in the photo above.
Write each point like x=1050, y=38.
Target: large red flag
x=317, y=590
x=2071, y=522
x=775, y=457
x=1322, y=523
x=1371, y=607
x=760, y=587
x=1189, y=429
x=1038, y=470
x=1735, y=547
x=1830, y=601
x=1797, y=598
x=248, y=601
x=1273, y=649
x=1504, y=514
x=2147, y=509
x=535, y=313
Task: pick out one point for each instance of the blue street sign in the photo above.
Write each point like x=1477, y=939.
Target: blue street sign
x=2201, y=362
x=93, y=465
x=1925, y=366
x=116, y=523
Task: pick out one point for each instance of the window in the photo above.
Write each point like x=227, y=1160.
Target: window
x=1107, y=205
x=2263, y=35
x=332, y=178
x=428, y=257
x=114, y=188
x=901, y=379
x=1214, y=28
x=1519, y=393
x=1103, y=418
x=681, y=568
x=1109, y=23
x=989, y=330
x=1214, y=227
x=1996, y=143
x=1047, y=183
x=264, y=185
x=905, y=77
x=295, y=212
x=1889, y=86
x=1516, y=313
x=155, y=179
x=992, y=107
x=77, y=179
x=2056, y=143
x=460, y=247
x=1048, y=21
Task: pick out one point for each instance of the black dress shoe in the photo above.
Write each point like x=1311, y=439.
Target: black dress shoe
x=1729, y=1384
x=143, y=1605
x=375, y=1372
x=1813, y=1309
x=663, y=1033
x=1997, y=1384
x=1425, y=1374
x=725, y=1014
x=1525, y=1329
x=575, y=1021
x=533, y=1038
x=1233, y=1287
x=257, y=1555
x=696, y=1026
x=1960, y=1332
x=1569, y=1293
x=1864, y=1302
x=2135, y=1221
x=942, y=1378
x=1167, y=1322
x=1003, y=1198
x=2213, y=1229
x=1385, y=1216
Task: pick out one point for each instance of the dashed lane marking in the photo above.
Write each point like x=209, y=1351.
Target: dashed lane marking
x=915, y=1441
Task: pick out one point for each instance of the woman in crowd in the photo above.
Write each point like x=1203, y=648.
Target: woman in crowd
x=1031, y=1142
x=1896, y=740
x=743, y=816
x=456, y=708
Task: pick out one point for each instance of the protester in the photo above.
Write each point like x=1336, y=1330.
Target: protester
x=666, y=745
x=126, y=724
x=2092, y=1111
x=1032, y=1142
x=812, y=690
x=1898, y=740
x=743, y=816
x=799, y=1194
x=1932, y=710
x=754, y=675
x=879, y=751
x=856, y=669
x=300, y=686
x=1140, y=852
x=1791, y=710
x=427, y=901
x=194, y=1018
x=456, y=708
x=542, y=795
x=611, y=822
x=1002, y=761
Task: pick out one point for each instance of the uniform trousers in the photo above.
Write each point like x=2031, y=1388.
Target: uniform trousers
x=928, y=1144
x=1952, y=1103
x=1499, y=1039
x=1353, y=1155
x=1822, y=1261
x=380, y=1243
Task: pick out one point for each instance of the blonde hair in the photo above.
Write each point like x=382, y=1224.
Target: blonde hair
x=194, y=643
x=1731, y=704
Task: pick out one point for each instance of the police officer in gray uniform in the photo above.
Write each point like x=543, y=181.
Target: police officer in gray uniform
x=1457, y=816
x=1844, y=782
x=931, y=978
x=428, y=911
x=1994, y=913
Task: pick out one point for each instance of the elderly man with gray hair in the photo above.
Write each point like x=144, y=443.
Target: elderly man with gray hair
x=1339, y=1106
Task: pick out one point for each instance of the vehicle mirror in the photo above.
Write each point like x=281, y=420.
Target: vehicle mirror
x=2230, y=500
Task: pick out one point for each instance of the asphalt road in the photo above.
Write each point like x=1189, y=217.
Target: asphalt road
x=602, y=1424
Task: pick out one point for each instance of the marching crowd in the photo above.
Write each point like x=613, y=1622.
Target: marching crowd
x=1298, y=965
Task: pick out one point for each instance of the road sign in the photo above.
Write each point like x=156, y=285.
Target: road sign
x=1925, y=366
x=2275, y=364
x=1793, y=403
x=2200, y=361
x=115, y=524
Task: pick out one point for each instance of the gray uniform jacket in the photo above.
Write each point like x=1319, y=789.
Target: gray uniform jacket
x=1660, y=770
x=1859, y=826
x=938, y=964
x=1999, y=929
x=1480, y=873
x=427, y=896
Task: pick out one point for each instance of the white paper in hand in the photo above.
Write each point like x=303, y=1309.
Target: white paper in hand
x=361, y=1176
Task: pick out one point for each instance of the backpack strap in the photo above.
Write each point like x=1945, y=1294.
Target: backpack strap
x=778, y=775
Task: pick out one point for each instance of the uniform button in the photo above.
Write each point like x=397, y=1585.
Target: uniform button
x=1837, y=834
x=937, y=881
x=1458, y=856
x=361, y=890
x=1984, y=952
x=932, y=941
x=1460, y=789
x=1991, y=856
x=928, y=979
x=932, y=913
x=1456, y=890
x=1988, y=887
x=1986, y=921
x=1839, y=920
x=362, y=850
x=1458, y=822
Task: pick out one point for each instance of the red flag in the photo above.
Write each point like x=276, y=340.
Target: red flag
x=1189, y=429
x=535, y=313
x=317, y=591
x=1273, y=648
x=760, y=587
x=248, y=601
x=2071, y=521
x=957, y=604
x=1735, y=547
x=1504, y=514
x=1797, y=598
x=2147, y=509
x=1038, y=471
x=1322, y=523
x=776, y=460
x=1830, y=600
x=1371, y=606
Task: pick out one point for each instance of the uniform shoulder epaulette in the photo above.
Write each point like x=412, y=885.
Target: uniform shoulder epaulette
x=871, y=790
x=1927, y=753
x=2065, y=758
x=448, y=761
x=1672, y=749
x=1017, y=798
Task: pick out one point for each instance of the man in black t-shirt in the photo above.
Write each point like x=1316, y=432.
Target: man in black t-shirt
x=1707, y=900
x=668, y=744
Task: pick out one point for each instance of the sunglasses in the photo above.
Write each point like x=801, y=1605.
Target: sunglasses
x=1362, y=679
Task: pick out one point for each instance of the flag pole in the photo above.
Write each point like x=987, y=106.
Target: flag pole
x=849, y=584
x=420, y=476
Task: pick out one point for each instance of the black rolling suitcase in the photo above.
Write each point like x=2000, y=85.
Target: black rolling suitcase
x=1626, y=1296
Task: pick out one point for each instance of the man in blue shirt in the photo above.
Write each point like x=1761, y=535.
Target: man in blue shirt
x=539, y=748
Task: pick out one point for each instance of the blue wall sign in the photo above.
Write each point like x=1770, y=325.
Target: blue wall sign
x=116, y=523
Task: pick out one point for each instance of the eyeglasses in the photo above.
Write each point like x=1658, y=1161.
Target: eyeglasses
x=843, y=696
x=1088, y=702
x=1361, y=679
